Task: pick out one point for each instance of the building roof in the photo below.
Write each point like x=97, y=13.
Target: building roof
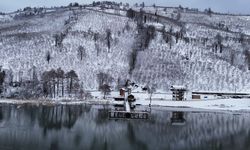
x=178, y=87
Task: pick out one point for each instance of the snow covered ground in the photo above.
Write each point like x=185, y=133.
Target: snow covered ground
x=191, y=62
x=210, y=105
x=159, y=98
x=217, y=104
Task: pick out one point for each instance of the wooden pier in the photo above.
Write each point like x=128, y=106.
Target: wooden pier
x=128, y=115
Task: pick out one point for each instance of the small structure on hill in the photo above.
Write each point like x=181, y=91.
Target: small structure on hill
x=120, y=99
x=178, y=92
x=122, y=92
x=196, y=97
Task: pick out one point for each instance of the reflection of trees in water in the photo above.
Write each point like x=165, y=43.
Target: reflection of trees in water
x=247, y=141
x=201, y=131
x=178, y=118
x=6, y=111
x=31, y=112
x=240, y=140
x=135, y=142
x=1, y=113
x=59, y=116
x=54, y=145
x=49, y=117
x=95, y=131
x=102, y=116
x=77, y=139
x=99, y=144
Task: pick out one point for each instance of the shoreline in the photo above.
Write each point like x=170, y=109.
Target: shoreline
x=206, y=105
x=53, y=102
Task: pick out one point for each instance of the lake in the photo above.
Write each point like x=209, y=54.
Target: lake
x=87, y=127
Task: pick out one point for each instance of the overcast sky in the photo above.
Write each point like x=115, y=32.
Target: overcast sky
x=232, y=6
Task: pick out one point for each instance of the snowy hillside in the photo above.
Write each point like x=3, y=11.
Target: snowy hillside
x=25, y=43
x=206, y=52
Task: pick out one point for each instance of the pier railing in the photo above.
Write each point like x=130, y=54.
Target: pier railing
x=128, y=115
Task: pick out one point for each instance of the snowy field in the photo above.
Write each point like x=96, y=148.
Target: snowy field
x=217, y=104
x=209, y=105
x=159, y=99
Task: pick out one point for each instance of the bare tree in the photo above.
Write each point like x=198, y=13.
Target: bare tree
x=96, y=36
x=150, y=35
x=209, y=12
x=2, y=77
x=104, y=78
x=142, y=4
x=52, y=75
x=60, y=81
x=106, y=89
x=46, y=83
x=183, y=31
x=132, y=60
x=51, y=81
x=151, y=90
x=247, y=57
x=127, y=27
x=73, y=81
x=167, y=36
x=98, y=49
x=48, y=57
x=218, y=38
x=108, y=37
x=241, y=38
x=131, y=13
x=218, y=43
x=81, y=52
x=178, y=17
x=171, y=41
x=232, y=55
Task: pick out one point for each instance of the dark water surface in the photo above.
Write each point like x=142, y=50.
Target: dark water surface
x=87, y=127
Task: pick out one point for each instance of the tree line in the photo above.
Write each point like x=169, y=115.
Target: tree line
x=58, y=83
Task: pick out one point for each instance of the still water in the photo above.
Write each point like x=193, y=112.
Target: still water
x=87, y=127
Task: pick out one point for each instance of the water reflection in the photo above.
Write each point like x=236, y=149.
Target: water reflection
x=102, y=116
x=1, y=114
x=88, y=127
x=178, y=118
x=133, y=141
x=60, y=116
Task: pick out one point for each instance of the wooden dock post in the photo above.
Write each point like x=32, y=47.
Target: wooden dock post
x=128, y=115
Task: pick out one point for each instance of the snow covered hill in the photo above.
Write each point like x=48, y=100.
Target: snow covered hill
x=206, y=52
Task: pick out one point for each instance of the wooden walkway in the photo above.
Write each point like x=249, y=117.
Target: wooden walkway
x=128, y=115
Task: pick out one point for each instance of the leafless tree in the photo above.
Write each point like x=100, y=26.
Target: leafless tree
x=52, y=75
x=132, y=60
x=151, y=90
x=96, y=36
x=131, y=13
x=81, y=52
x=98, y=49
x=150, y=35
x=104, y=78
x=106, y=89
x=247, y=57
x=108, y=38
x=48, y=57
x=60, y=81
x=2, y=77
x=46, y=83
x=73, y=81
